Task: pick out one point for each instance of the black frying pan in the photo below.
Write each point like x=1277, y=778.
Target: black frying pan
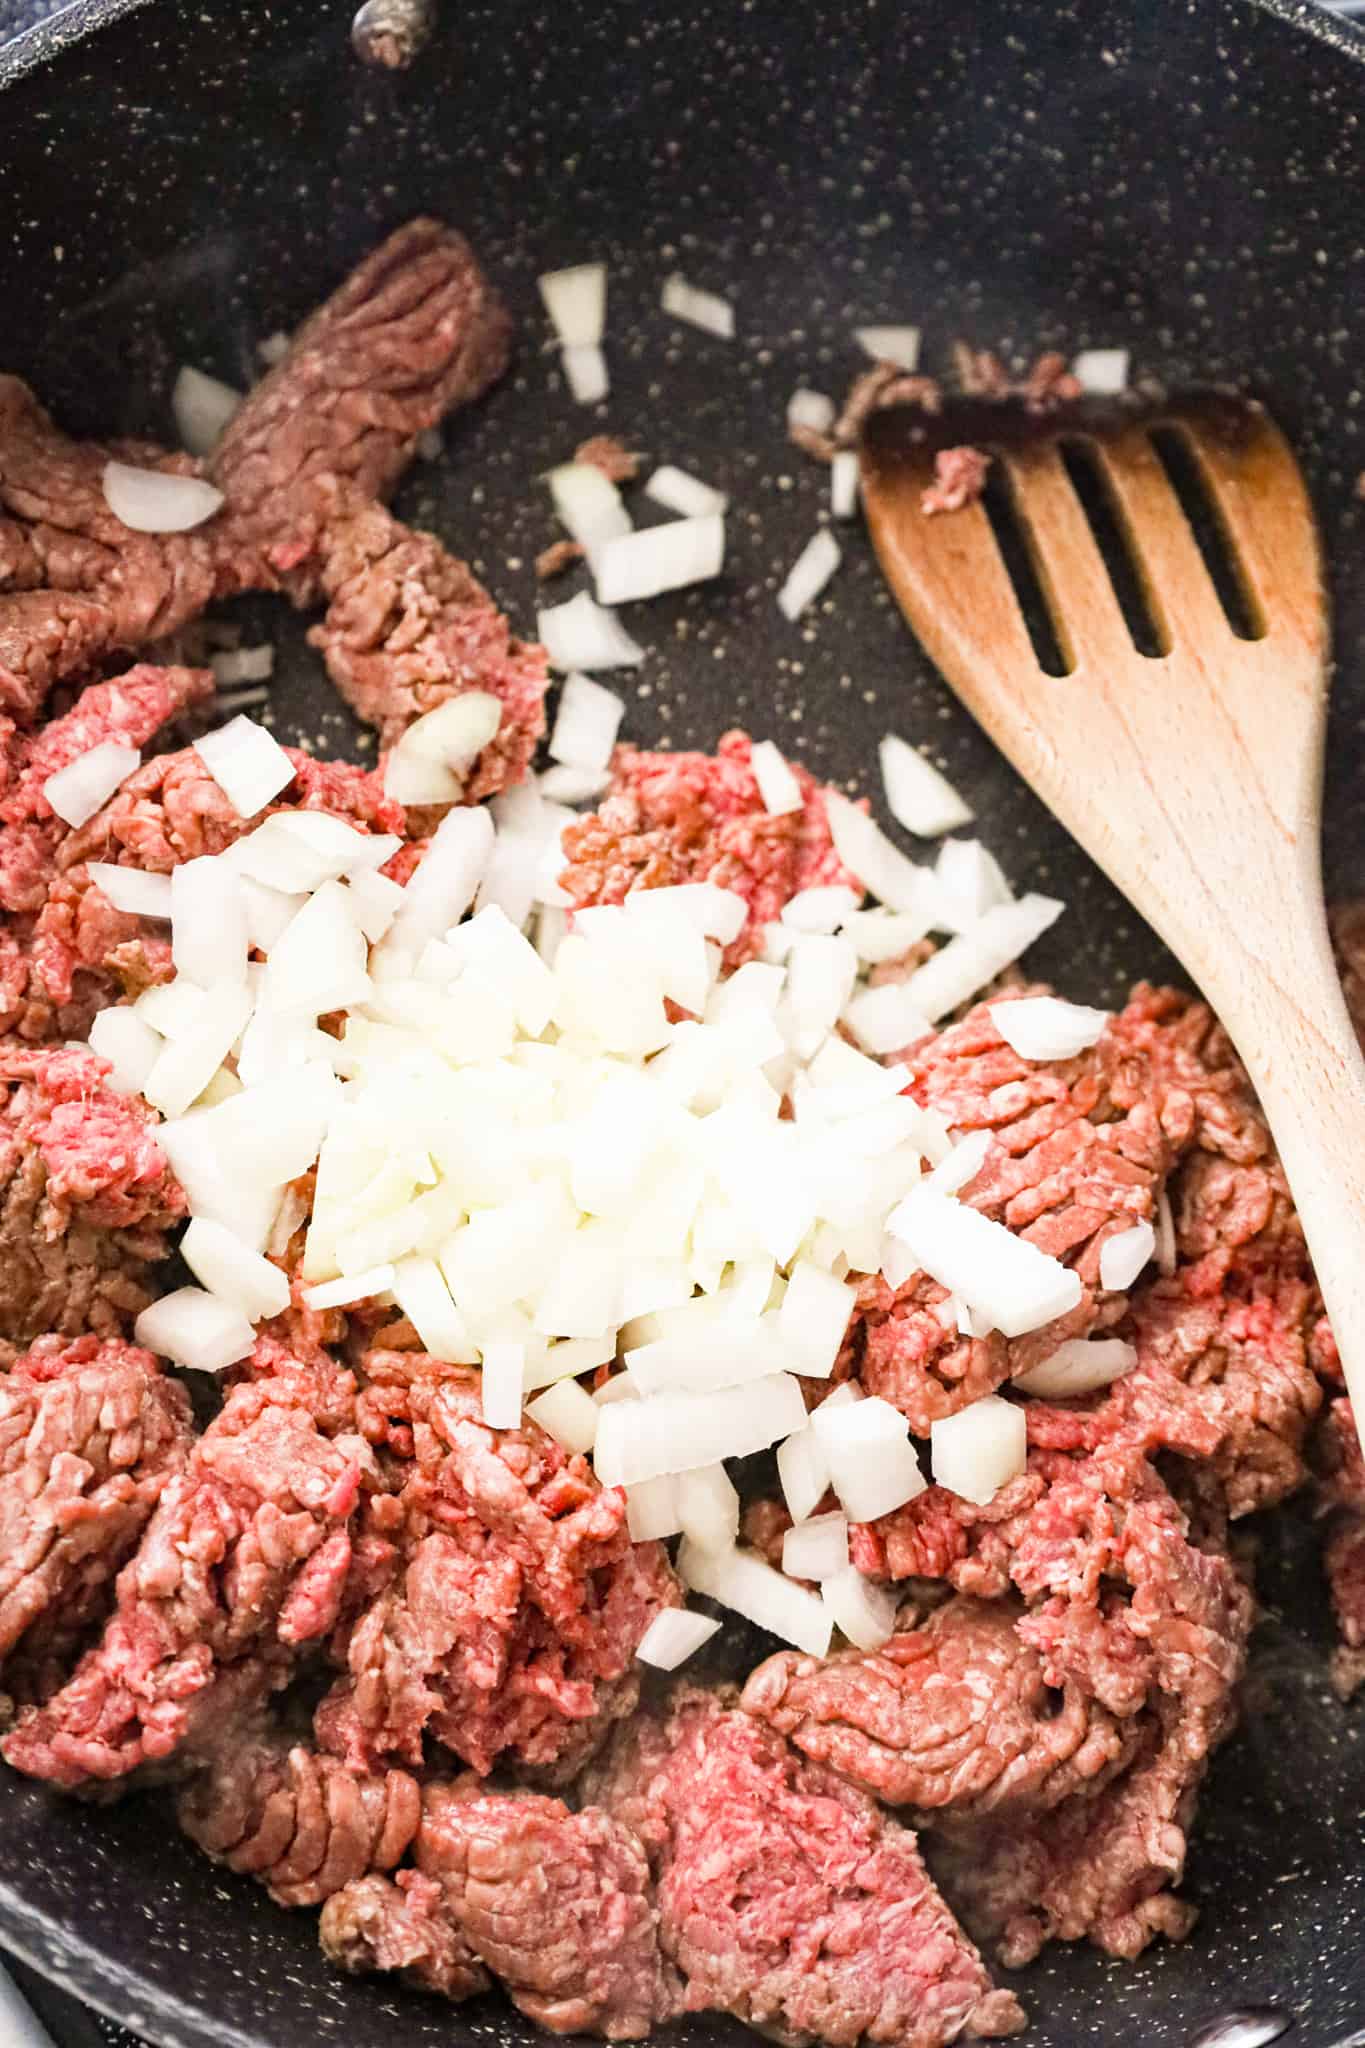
x=1186, y=177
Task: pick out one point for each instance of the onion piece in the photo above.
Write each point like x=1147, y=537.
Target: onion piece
x=651, y=1507
x=375, y=901
x=590, y=507
x=809, y=574
x=157, y=500
x=1123, y=1256
x=202, y=406
x=297, y=851
x=1045, y=1028
x=686, y=495
x=586, y=724
x=816, y=1549
x=409, y=779
x=243, y=665
x=565, y=785
x=679, y=1432
x=706, y=310
x=962, y=1164
x=86, y=784
x=504, y=1370
x=659, y=558
x=820, y=909
x=970, y=882
x=129, y=1044
x=170, y=1007
x=810, y=409
x=350, y=1289
x=886, y=1019
x=813, y=1319
x=581, y=635
x=568, y=1412
x=881, y=935
x=708, y=1508
x=585, y=373
x=882, y=868
x=863, y=1611
x=777, y=785
x=233, y=1271
x=1003, y=1276
x=803, y=1471
x=898, y=345
x=248, y=764
x=917, y=795
x=741, y=1580
x=443, y=885
x=980, y=1449
x=673, y=1636
x=195, y=1330
x=821, y=971
x=1101, y=372
x=425, y=1300
x=966, y=964
x=187, y=1064
x=140, y=893
x=319, y=962
x=208, y=921
x=1079, y=1366
x=450, y=738
x=872, y=1463
x=576, y=301
x=844, y=483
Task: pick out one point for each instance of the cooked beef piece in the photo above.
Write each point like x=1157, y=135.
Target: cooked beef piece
x=243, y=1563
x=76, y=584
x=303, y=1824
x=609, y=453
x=408, y=626
x=959, y=479
x=90, y=1433
x=873, y=389
x=952, y=1716
x=511, y=1631
x=785, y=1895
x=86, y=1197
x=400, y=1924
x=699, y=818
x=415, y=331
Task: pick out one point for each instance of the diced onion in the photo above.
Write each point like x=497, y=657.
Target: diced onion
x=898, y=345
x=248, y=764
x=673, y=1636
x=777, y=785
x=1123, y=1256
x=882, y=868
x=274, y=348
x=980, y=1449
x=202, y=406
x=679, y=1432
x=1079, y=1366
x=821, y=970
x=409, y=779
x=886, y=1019
x=803, y=1471
x=319, y=962
x=568, y=1413
x=1045, y=1028
x=576, y=301
x=375, y=901
x=586, y=724
x=208, y=922
x=1004, y=1276
x=844, y=484
x=872, y=1463
x=706, y=310
x=588, y=503
x=425, y=1300
x=816, y=1549
x=966, y=964
x=742, y=1580
x=882, y=935
x=80, y=789
x=188, y=1063
x=297, y=851
x=129, y=1044
x=156, y=500
x=970, y=882
x=659, y=558
x=581, y=635
x=652, y=1507
x=444, y=884
x=131, y=889
x=686, y=495
x=810, y=409
x=585, y=373
x=821, y=909
x=1101, y=372
x=195, y=1330
x=809, y=574
x=565, y=785
x=243, y=665
x=708, y=1508
x=963, y=1163
x=353, y=1287
x=863, y=1611
x=814, y=1318
x=456, y=732
x=917, y=795
x=233, y=1271
x=502, y=1378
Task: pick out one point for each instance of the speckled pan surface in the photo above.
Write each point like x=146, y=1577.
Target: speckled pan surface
x=1185, y=179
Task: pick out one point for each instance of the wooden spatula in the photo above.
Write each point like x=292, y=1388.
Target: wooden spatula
x=1192, y=775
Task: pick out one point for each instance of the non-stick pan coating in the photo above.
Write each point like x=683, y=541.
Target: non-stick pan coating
x=1183, y=180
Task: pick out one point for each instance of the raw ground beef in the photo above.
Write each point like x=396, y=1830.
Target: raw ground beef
x=959, y=479
x=90, y=1432
x=672, y=818
x=400, y=1924
x=86, y=1197
x=511, y=1630
x=303, y=1824
x=785, y=1895
x=952, y=1716
x=1340, y=1471
x=241, y=1567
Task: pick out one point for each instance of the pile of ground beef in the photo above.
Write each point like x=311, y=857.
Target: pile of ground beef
x=371, y=1638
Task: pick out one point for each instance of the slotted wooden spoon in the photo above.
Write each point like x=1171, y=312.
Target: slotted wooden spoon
x=1193, y=777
